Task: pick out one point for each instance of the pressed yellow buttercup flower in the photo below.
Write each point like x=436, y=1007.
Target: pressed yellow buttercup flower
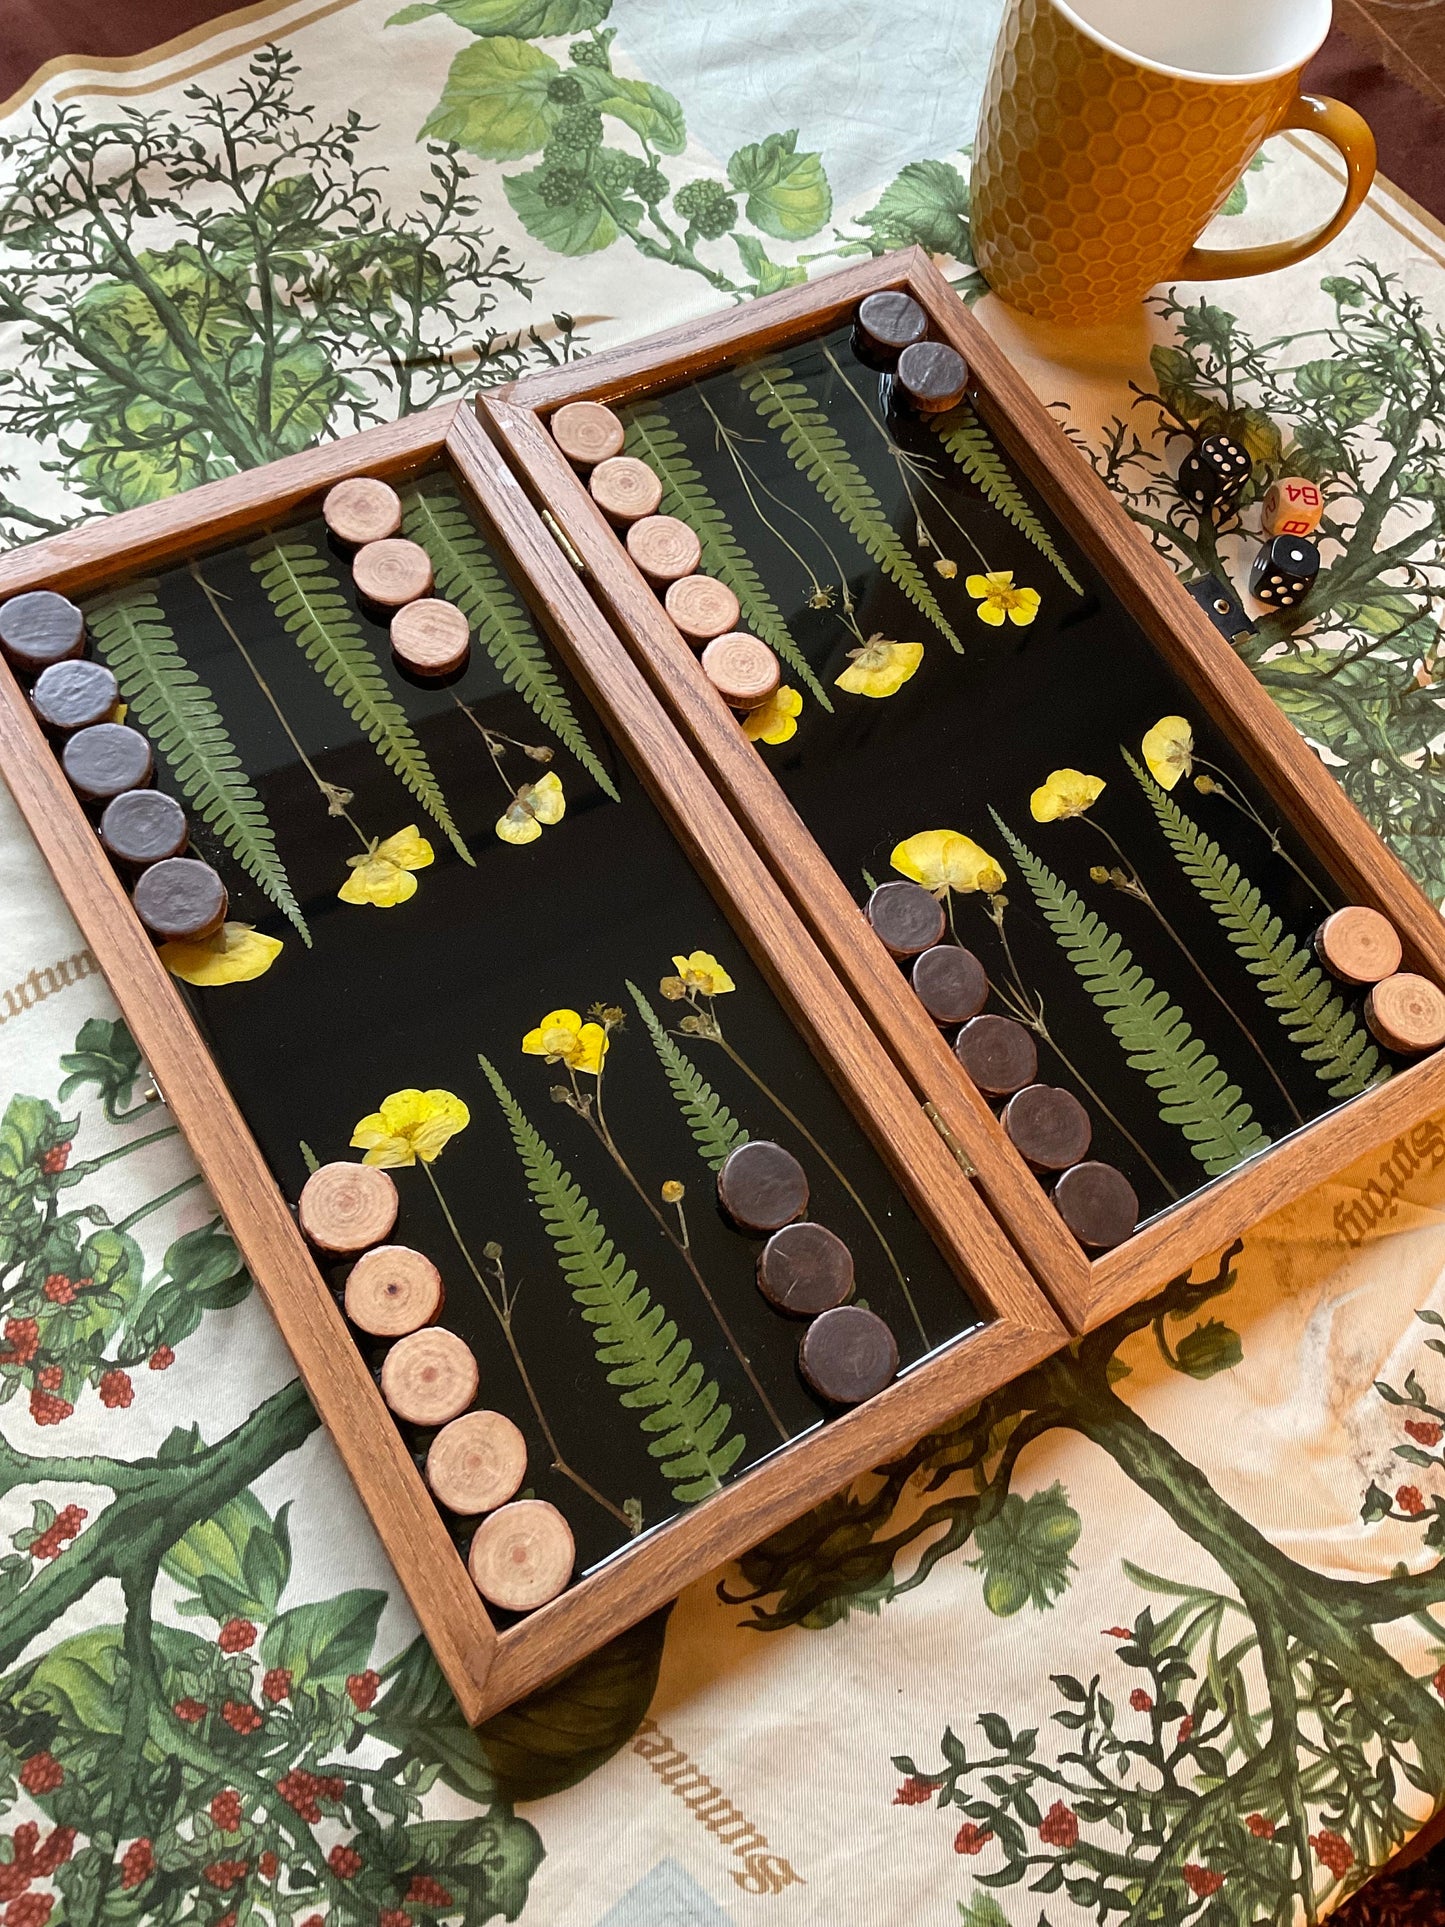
x=880, y=667
x=563, y=1038
x=1067, y=793
x=533, y=805
x=702, y=971
x=944, y=860
x=998, y=600
x=775, y=720
x=383, y=876
x=410, y=1125
x=237, y=954
x=1169, y=750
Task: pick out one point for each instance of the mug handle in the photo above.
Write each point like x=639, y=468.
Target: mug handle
x=1344, y=129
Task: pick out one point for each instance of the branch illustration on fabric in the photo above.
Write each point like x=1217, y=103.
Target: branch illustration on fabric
x=1269, y=1734
x=204, y=293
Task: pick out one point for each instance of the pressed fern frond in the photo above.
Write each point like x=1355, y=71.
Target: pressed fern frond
x=310, y=606
x=467, y=575
x=180, y=716
x=1319, y=1023
x=1192, y=1091
x=971, y=446
x=652, y=438
x=820, y=453
x=715, y=1130
x=652, y=1367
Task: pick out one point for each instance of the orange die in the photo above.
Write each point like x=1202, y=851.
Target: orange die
x=1293, y=507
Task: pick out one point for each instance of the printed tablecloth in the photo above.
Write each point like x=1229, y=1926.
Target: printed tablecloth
x=1150, y=1635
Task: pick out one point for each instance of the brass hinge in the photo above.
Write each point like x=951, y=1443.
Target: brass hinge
x=555, y=529
x=960, y=1157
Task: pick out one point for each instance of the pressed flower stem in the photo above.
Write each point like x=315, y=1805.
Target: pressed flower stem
x=1137, y=889
x=1225, y=788
x=597, y=1119
x=487, y=737
x=158, y=1204
x=503, y=1315
x=1017, y=999
x=907, y=465
x=801, y=1128
x=329, y=791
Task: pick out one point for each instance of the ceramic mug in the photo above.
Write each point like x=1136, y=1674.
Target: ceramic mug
x=1113, y=130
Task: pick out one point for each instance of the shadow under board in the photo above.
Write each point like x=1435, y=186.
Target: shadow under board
x=952, y=650
x=301, y=748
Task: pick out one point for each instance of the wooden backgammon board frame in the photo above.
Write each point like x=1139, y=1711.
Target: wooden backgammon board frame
x=1086, y=1290
x=488, y=1668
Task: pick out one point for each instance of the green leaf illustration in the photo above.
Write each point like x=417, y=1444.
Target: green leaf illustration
x=787, y=192
x=1193, y=1093
x=577, y=225
x=715, y=1130
x=972, y=447
x=650, y=111
x=105, y=1055
x=819, y=452
x=653, y=439
x=236, y=1562
x=1320, y=1024
x=1211, y=1347
x=769, y=275
x=494, y=102
x=310, y=606
x=527, y=19
x=926, y=206
x=322, y=1640
x=652, y=1367
x=180, y=716
x=1024, y=1551
x=468, y=575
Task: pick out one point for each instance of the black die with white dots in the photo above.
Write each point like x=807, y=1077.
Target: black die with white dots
x=1215, y=473
x=1283, y=571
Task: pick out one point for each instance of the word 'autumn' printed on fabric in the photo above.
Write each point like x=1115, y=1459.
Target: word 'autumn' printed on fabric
x=762, y=1872
x=45, y=982
x=1423, y=1150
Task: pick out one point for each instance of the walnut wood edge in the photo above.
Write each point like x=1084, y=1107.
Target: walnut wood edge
x=194, y=1092
x=1085, y=1291
x=158, y=535
x=761, y=1502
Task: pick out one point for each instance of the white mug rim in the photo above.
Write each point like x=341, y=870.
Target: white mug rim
x=1188, y=73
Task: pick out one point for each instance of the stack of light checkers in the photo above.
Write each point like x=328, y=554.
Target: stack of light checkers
x=741, y=667
x=1363, y=949
x=522, y=1553
x=109, y=766
x=1048, y=1127
x=430, y=639
x=847, y=1353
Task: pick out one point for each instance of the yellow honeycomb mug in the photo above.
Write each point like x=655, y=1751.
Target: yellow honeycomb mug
x=1113, y=130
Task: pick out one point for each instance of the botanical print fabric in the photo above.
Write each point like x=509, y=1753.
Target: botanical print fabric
x=1148, y=1635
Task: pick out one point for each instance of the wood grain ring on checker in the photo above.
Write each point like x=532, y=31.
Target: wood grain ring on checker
x=906, y=918
x=431, y=637
x=361, y=510
x=393, y=1290
x=74, y=694
x=891, y=321
x=762, y=1187
x=39, y=628
x=346, y=1207
x=702, y=607
x=391, y=573
x=1048, y=1127
x=476, y=1463
x=625, y=489
x=663, y=548
x=805, y=1269
x=848, y=1355
x=105, y=759
x=522, y=1555
x=742, y=669
x=587, y=433
x=1098, y=1204
x=950, y=983
x=1407, y=1013
x=1359, y=945
x=181, y=900
x=429, y=1376
x=933, y=376
x=140, y=827
x=998, y=1054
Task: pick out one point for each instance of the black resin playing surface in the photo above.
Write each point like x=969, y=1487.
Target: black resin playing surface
x=406, y=997
x=974, y=732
